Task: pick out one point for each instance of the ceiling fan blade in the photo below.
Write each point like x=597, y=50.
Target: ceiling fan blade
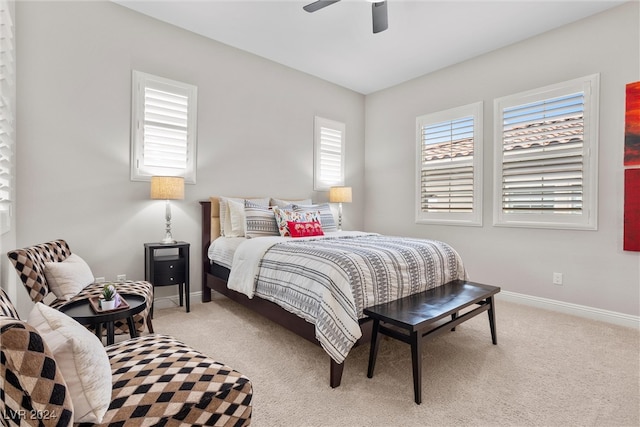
x=317, y=5
x=379, y=12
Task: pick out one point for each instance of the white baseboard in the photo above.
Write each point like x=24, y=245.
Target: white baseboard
x=545, y=303
x=174, y=300
x=574, y=309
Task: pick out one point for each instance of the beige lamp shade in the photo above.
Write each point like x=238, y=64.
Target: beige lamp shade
x=167, y=187
x=340, y=195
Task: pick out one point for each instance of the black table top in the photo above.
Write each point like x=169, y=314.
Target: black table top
x=82, y=312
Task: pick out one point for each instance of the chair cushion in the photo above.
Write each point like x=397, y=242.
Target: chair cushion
x=165, y=382
x=66, y=278
x=31, y=382
x=82, y=360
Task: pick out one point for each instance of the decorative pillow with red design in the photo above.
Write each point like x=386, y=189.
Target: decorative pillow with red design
x=283, y=216
x=305, y=229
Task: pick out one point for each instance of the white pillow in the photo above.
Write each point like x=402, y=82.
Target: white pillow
x=68, y=277
x=236, y=213
x=282, y=203
x=82, y=359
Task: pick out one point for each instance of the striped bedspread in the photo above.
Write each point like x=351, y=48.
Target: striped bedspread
x=328, y=282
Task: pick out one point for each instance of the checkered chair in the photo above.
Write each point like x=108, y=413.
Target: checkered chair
x=156, y=381
x=30, y=264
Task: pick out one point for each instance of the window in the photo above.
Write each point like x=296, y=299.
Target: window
x=449, y=169
x=163, y=130
x=7, y=114
x=328, y=170
x=546, y=156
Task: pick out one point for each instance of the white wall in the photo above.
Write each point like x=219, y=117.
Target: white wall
x=597, y=272
x=255, y=131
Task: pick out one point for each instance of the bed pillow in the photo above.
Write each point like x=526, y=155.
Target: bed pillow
x=236, y=214
x=285, y=216
x=67, y=278
x=326, y=216
x=282, y=203
x=226, y=228
x=81, y=358
x=305, y=229
x=260, y=221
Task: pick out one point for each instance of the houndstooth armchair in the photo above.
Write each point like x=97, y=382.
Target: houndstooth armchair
x=30, y=264
x=155, y=381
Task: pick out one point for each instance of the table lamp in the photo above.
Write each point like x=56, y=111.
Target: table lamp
x=167, y=188
x=340, y=195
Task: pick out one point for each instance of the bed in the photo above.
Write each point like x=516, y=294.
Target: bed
x=268, y=270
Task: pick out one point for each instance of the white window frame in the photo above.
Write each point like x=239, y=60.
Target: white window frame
x=473, y=218
x=329, y=141
x=185, y=158
x=7, y=115
x=587, y=217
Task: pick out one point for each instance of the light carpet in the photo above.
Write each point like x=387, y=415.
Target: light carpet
x=548, y=369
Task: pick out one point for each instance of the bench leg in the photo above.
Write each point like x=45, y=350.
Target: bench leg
x=373, y=352
x=492, y=320
x=416, y=362
x=454, y=316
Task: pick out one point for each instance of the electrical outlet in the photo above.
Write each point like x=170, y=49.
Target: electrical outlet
x=99, y=280
x=557, y=278
x=121, y=277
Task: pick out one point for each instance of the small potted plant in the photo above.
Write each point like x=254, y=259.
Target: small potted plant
x=108, y=300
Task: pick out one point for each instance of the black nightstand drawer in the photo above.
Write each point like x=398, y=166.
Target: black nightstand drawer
x=169, y=271
x=168, y=279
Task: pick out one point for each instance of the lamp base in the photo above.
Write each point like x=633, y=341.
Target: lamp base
x=168, y=238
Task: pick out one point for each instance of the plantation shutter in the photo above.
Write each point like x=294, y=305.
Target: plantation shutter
x=330, y=155
x=542, y=156
x=329, y=146
x=447, y=179
x=164, y=114
x=7, y=117
x=165, y=127
x=449, y=166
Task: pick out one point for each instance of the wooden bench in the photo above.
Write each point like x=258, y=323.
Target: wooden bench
x=419, y=314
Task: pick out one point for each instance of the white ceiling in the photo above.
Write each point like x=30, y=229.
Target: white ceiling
x=337, y=44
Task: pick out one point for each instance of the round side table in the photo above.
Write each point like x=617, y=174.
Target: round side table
x=82, y=312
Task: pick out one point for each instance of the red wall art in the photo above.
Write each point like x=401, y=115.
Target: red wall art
x=632, y=210
x=632, y=126
x=632, y=172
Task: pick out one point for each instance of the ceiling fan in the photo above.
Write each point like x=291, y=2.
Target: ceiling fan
x=378, y=11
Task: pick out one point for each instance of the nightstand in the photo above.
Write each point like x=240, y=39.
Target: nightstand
x=167, y=264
